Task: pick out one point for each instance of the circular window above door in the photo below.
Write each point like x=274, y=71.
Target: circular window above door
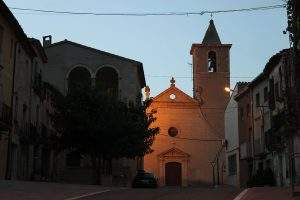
x=173, y=132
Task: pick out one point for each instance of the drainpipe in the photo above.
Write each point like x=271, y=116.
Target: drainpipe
x=9, y=148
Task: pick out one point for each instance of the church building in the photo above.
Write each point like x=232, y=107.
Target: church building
x=189, y=149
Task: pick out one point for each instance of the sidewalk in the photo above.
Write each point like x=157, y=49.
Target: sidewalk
x=16, y=190
x=266, y=193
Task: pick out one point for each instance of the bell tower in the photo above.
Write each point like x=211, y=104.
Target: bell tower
x=211, y=74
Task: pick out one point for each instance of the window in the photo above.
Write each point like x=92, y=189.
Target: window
x=11, y=48
x=24, y=112
x=16, y=108
x=1, y=40
x=173, y=131
x=131, y=104
x=35, y=68
x=266, y=96
x=271, y=94
x=276, y=88
x=242, y=113
x=248, y=110
x=79, y=78
x=172, y=96
x=37, y=112
x=257, y=99
x=232, y=165
x=107, y=81
x=260, y=166
x=212, y=61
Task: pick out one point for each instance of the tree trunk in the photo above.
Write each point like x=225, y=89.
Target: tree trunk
x=96, y=163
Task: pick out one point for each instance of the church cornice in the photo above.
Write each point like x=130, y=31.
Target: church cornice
x=195, y=46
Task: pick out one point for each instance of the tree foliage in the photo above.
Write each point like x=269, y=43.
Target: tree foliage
x=101, y=127
x=293, y=9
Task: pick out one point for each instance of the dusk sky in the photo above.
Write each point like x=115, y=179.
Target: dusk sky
x=162, y=43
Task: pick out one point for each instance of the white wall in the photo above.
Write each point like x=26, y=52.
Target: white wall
x=232, y=136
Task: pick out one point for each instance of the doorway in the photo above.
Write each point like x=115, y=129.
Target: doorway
x=173, y=174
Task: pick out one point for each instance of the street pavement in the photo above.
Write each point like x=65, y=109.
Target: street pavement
x=21, y=190
x=267, y=193
x=168, y=193
x=17, y=190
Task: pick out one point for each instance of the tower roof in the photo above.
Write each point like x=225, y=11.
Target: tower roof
x=211, y=35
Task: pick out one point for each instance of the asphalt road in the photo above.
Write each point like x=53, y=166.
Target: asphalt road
x=191, y=193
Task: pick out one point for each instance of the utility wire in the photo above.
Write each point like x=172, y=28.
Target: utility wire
x=143, y=14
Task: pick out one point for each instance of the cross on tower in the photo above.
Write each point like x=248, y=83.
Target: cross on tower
x=172, y=81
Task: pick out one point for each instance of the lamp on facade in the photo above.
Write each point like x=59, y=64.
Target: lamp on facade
x=227, y=89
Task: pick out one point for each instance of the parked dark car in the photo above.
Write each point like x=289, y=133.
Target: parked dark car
x=144, y=180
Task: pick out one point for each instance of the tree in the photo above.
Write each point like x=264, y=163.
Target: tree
x=100, y=127
x=293, y=10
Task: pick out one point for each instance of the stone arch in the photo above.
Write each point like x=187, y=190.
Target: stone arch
x=107, y=80
x=212, y=61
x=170, y=156
x=79, y=65
x=79, y=77
x=111, y=66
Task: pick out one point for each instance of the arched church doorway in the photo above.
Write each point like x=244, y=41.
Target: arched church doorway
x=173, y=174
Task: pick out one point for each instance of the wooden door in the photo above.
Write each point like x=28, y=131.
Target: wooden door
x=173, y=174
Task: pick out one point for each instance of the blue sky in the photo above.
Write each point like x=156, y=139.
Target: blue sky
x=163, y=43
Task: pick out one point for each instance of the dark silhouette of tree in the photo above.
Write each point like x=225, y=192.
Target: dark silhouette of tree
x=101, y=127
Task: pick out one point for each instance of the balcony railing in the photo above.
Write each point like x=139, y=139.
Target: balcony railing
x=5, y=116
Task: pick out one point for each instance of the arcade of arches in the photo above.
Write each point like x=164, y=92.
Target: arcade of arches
x=106, y=80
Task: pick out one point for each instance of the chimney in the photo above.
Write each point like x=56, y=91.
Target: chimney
x=47, y=40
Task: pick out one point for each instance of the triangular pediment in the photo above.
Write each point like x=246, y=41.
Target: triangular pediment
x=174, y=152
x=179, y=95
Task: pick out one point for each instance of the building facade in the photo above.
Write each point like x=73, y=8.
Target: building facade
x=261, y=121
x=16, y=54
x=280, y=136
x=71, y=64
x=189, y=149
x=237, y=136
x=268, y=133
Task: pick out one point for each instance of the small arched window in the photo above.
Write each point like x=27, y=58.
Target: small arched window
x=79, y=78
x=107, y=81
x=212, y=61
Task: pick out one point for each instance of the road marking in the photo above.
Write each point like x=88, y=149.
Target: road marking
x=88, y=195
x=241, y=195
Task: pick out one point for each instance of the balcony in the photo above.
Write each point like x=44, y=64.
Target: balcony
x=5, y=117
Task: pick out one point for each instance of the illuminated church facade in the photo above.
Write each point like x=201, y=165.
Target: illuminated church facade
x=189, y=150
